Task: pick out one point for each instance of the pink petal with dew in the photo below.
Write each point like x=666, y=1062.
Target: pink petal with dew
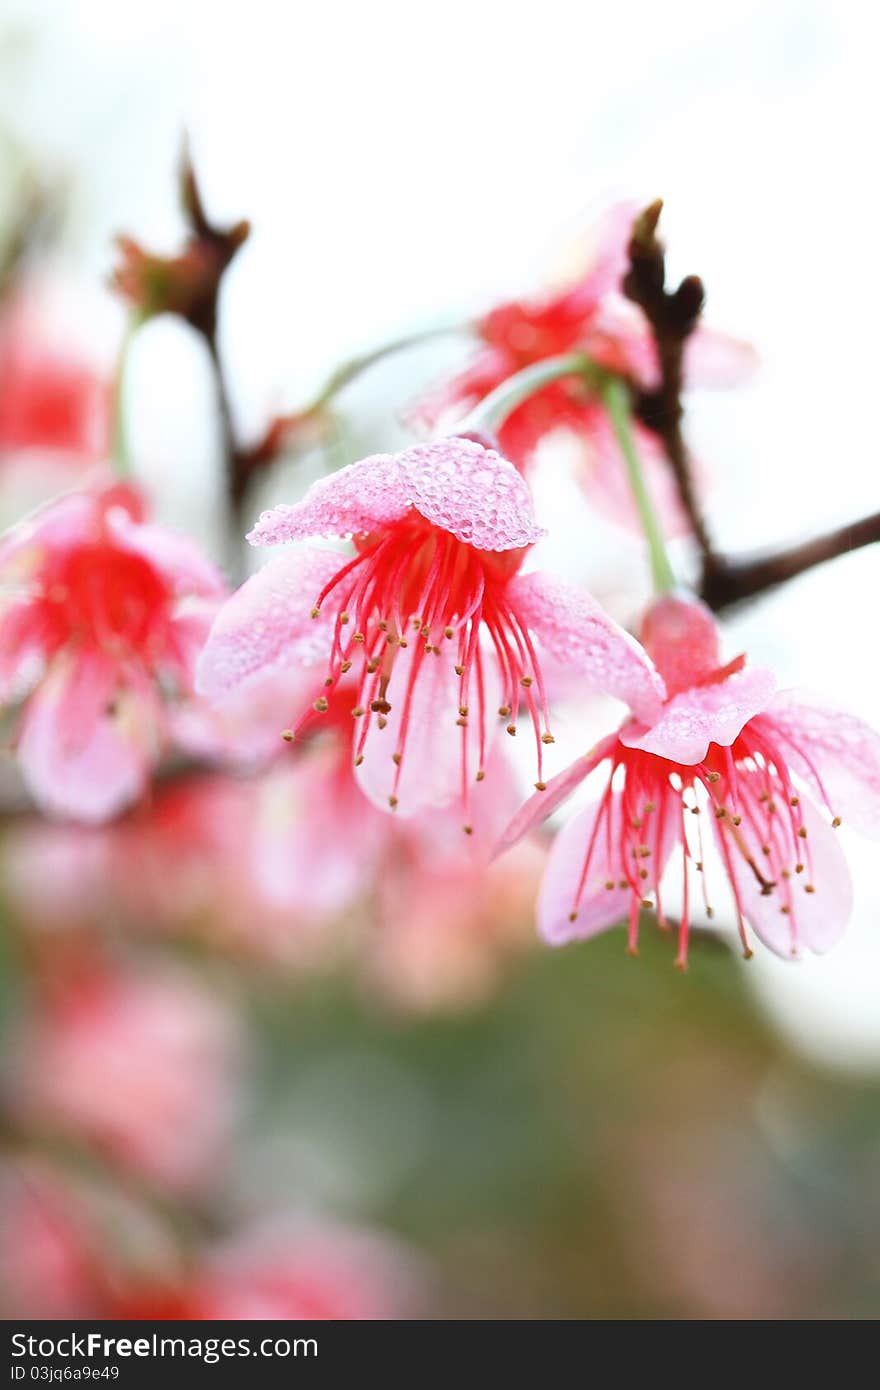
x=703, y=715
x=597, y=906
x=558, y=790
x=267, y=623
x=178, y=559
x=79, y=761
x=430, y=772
x=715, y=359
x=815, y=921
x=836, y=753
x=457, y=484
x=358, y=498
x=576, y=630
x=472, y=492
x=187, y=634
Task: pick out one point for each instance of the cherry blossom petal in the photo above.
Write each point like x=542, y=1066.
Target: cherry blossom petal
x=457, y=484
x=542, y=804
x=836, y=753
x=79, y=760
x=597, y=906
x=64, y=521
x=430, y=772
x=703, y=715
x=716, y=359
x=182, y=564
x=358, y=498
x=267, y=623
x=815, y=920
x=576, y=630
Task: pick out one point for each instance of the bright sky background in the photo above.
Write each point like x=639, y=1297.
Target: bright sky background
x=402, y=163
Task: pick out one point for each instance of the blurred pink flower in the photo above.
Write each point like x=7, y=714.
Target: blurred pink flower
x=723, y=743
x=101, y=610
x=52, y=396
x=290, y=1270
x=141, y=1066
x=440, y=533
x=592, y=316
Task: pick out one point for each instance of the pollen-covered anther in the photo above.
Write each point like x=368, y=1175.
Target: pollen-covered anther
x=713, y=776
x=287, y=735
x=785, y=910
x=382, y=625
x=372, y=666
x=643, y=873
x=392, y=802
x=526, y=681
x=359, y=759
x=463, y=711
x=316, y=613
x=609, y=885
x=737, y=820
x=802, y=832
x=644, y=852
x=320, y=706
x=357, y=711
x=795, y=801
x=646, y=902
x=345, y=667
x=720, y=813
x=468, y=829
x=461, y=723
x=397, y=758
x=449, y=632
x=459, y=670
x=481, y=775
x=358, y=637
x=798, y=868
x=503, y=710
x=835, y=823
x=765, y=849
x=329, y=681
x=343, y=619
x=380, y=706
x=511, y=729
x=698, y=865
x=648, y=807
x=381, y=721
x=547, y=737
x=540, y=786
x=572, y=916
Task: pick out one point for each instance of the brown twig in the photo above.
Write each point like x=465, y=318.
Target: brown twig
x=731, y=581
x=672, y=317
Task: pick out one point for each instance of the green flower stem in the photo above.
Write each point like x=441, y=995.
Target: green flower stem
x=615, y=397
x=121, y=454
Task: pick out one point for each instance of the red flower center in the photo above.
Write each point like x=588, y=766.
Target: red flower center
x=103, y=595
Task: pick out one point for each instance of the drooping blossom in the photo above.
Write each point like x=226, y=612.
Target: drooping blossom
x=140, y=1066
x=429, y=622
x=102, y=612
x=592, y=316
x=772, y=773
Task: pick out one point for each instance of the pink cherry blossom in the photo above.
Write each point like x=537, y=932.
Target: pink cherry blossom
x=101, y=610
x=767, y=770
x=140, y=1066
x=429, y=623
x=590, y=315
